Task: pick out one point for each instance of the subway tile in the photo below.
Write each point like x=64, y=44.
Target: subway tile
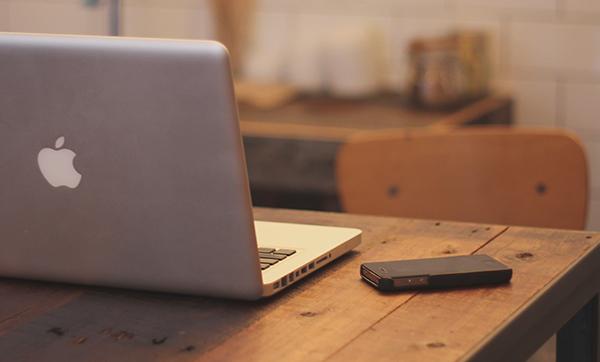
x=584, y=6
x=340, y=7
x=593, y=221
x=411, y=8
x=557, y=47
x=503, y=12
x=582, y=106
x=396, y=77
x=580, y=48
x=533, y=45
x=510, y=4
x=183, y=4
x=268, y=47
x=357, y=7
x=279, y=6
x=535, y=101
x=592, y=148
x=69, y=17
x=308, y=59
x=4, y=16
x=167, y=22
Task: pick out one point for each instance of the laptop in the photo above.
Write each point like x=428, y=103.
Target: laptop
x=122, y=165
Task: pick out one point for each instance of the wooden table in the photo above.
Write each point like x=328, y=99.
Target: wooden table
x=291, y=150
x=333, y=315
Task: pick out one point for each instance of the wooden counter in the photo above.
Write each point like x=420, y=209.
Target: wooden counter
x=291, y=150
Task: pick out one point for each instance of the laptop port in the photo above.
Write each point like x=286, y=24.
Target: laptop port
x=304, y=269
x=311, y=266
x=283, y=282
x=297, y=273
x=276, y=285
x=322, y=259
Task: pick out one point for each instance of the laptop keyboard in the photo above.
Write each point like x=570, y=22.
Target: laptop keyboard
x=272, y=256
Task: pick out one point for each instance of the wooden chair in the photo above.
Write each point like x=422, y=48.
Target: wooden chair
x=491, y=175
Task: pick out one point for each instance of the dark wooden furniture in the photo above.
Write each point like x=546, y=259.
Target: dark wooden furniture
x=291, y=150
x=333, y=315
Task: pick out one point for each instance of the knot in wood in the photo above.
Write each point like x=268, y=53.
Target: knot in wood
x=436, y=345
x=57, y=331
x=157, y=341
x=188, y=348
x=524, y=255
x=449, y=250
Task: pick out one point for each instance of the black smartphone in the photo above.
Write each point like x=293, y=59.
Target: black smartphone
x=447, y=272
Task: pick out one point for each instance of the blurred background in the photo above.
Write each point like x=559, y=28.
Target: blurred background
x=353, y=64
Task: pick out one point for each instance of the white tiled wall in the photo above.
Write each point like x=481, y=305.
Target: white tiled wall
x=533, y=98
x=170, y=19
x=545, y=52
x=582, y=105
x=511, y=4
x=54, y=16
x=3, y=15
x=584, y=6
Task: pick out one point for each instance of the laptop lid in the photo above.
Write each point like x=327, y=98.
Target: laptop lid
x=162, y=200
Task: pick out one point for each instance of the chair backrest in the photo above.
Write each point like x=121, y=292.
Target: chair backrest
x=492, y=175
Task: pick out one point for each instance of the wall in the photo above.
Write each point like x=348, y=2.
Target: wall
x=545, y=52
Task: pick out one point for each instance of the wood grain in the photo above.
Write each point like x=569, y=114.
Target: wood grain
x=443, y=326
x=121, y=325
x=337, y=120
x=291, y=151
x=533, y=177
x=330, y=315
x=314, y=322
x=22, y=301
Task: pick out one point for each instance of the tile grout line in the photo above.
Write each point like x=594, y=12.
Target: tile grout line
x=561, y=120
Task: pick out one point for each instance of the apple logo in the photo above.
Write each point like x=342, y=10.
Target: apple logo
x=57, y=167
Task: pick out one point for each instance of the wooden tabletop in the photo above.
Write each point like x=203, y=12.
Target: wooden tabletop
x=331, y=315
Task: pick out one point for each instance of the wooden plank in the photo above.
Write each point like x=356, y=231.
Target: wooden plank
x=447, y=325
x=22, y=301
x=113, y=325
x=547, y=313
x=314, y=322
x=311, y=320
x=492, y=174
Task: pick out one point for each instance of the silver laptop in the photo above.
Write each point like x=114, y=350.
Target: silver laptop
x=122, y=165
